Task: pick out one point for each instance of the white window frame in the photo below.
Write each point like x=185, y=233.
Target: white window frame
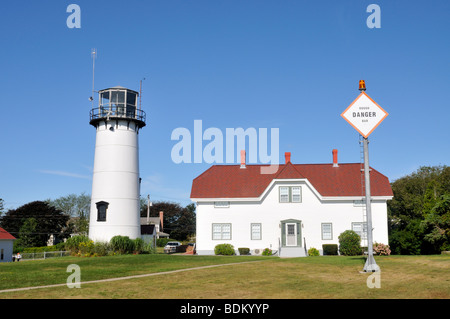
x=222, y=235
x=299, y=194
x=259, y=231
x=330, y=232
x=287, y=193
x=363, y=229
x=284, y=191
x=221, y=204
x=359, y=203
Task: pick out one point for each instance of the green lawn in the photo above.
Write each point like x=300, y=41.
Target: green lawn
x=321, y=277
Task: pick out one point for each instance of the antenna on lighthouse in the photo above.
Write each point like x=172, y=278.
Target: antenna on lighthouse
x=140, y=94
x=93, y=54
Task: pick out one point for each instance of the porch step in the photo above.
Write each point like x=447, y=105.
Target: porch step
x=292, y=252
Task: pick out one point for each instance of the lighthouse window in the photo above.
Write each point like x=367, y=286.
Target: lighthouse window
x=105, y=99
x=101, y=211
x=104, y=103
x=131, y=104
x=118, y=102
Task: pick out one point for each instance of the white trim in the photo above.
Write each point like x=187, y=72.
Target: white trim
x=274, y=181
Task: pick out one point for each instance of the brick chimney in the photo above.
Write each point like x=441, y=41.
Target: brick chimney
x=287, y=157
x=335, y=158
x=161, y=213
x=242, y=158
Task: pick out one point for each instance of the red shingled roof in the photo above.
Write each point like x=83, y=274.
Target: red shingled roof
x=230, y=181
x=5, y=235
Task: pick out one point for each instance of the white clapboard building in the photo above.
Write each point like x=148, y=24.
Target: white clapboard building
x=289, y=211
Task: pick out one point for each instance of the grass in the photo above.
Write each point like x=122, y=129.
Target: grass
x=401, y=277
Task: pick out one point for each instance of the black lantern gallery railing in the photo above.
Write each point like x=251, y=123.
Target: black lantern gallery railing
x=117, y=112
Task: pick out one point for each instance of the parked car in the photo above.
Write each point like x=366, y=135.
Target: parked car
x=171, y=247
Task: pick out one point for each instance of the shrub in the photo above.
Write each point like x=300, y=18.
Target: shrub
x=86, y=248
x=138, y=245
x=244, y=251
x=74, y=242
x=381, y=249
x=122, y=244
x=313, y=252
x=57, y=247
x=330, y=249
x=349, y=243
x=267, y=252
x=148, y=248
x=224, y=249
x=101, y=249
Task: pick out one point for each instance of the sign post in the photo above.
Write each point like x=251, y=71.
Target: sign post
x=364, y=114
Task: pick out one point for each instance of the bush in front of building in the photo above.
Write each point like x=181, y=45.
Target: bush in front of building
x=224, y=249
x=350, y=243
x=313, y=252
x=244, y=251
x=330, y=249
x=74, y=242
x=122, y=244
x=381, y=249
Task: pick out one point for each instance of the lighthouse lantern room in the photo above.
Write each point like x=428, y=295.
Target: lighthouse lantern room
x=116, y=181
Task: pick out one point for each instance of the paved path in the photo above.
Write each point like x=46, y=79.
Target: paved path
x=129, y=277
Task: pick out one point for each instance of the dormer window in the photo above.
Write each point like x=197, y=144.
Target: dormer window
x=290, y=194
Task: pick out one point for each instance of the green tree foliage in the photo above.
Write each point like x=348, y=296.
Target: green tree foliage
x=419, y=213
x=178, y=221
x=350, y=243
x=77, y=207
x=47, y=221
x=27, y=233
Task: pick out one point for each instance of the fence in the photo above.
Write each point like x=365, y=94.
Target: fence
x=44, y=255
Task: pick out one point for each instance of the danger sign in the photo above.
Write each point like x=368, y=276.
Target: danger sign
x=364, y=114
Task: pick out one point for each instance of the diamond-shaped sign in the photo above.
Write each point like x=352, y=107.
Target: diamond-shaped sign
x=364, y=114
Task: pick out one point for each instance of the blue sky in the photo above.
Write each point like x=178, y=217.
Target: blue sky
x=291, y=65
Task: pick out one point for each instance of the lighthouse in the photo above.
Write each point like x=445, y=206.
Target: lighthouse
x=116, y=181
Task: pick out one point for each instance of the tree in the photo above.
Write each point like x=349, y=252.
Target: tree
x=178, y=221
x=417, y=215
x=27, y=237
x=437, y=224
x=1, y=206
x=49, y=220
x=77, y=207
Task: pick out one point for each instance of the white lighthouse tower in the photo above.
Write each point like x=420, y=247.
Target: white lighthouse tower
x=116, y=180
